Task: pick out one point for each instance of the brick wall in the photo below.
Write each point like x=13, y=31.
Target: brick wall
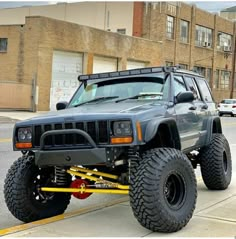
x=154, y=27
x=34, y=46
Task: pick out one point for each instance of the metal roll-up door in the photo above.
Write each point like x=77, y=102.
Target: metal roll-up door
x=104, y=64
x=66, y=67
x=135, y=64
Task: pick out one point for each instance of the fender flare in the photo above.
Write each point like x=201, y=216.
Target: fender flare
x=211, y=129
x=152, y=129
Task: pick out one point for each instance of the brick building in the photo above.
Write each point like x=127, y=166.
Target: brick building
x=44, y=57
x=41, y=59
x=194, y=39
x=229, y=13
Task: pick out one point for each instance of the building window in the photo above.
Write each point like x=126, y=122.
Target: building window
x=216, y=80
x=184, y=31
x=224, y=79
x=3, y=44
x=224, y=41
x=200, y=70
x=169, y=63
x=170, y=27
x=208, y=75
x=203, y=36
x=183, y=66
x=121, y=30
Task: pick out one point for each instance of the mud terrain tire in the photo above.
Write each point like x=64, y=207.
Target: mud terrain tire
x=216, y=164
x=22, y=196
x=163, y=189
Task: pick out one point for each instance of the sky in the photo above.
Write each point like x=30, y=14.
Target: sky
x=211, y=6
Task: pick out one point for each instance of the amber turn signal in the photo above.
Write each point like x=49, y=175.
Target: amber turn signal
x=23, y=145
x=125, y=140
x=139, y=131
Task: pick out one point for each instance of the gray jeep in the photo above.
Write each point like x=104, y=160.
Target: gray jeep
x=136, y=132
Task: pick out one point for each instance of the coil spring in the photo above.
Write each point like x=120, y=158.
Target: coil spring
x=61, y=176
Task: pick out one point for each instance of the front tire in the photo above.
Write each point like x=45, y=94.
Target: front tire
x=216, y=164
x=163, y=190
x=22, y=191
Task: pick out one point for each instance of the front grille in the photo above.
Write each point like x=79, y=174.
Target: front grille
x=98, y=131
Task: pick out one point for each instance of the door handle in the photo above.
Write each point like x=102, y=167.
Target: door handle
x=204, y=107
x=193, y=107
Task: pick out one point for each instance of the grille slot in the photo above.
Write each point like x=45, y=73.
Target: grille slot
x=98, y=131
x=58, y=138
x=48, y=140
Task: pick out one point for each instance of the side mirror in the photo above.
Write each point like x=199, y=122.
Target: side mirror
x=61, y=105
x=184, y=97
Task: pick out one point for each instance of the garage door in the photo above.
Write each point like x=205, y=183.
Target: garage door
x=66, y=67
x=104, y=64
x=135, y=64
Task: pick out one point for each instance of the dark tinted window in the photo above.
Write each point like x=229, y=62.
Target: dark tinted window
x=205, y=91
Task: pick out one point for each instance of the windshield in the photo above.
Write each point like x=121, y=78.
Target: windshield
x=151, y=87
x=228, y=101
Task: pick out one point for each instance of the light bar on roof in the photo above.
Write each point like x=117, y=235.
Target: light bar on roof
x=126, y=73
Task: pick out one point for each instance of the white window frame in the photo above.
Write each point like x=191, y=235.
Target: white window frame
x=184, y=35
x=170, y=27
x=203, y=36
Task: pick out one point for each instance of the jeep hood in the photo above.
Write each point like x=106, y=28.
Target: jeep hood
x=101, y=110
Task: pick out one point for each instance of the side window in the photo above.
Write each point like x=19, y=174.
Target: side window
x=179, y=85
x=193, y=87
x=206, y=94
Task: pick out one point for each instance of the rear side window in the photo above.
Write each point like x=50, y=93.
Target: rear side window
x=205, y=91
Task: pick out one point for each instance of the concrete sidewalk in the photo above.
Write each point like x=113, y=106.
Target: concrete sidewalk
x=20, y=115
x=214, y=216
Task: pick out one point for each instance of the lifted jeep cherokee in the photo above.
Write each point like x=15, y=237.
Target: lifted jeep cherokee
x=138, y=132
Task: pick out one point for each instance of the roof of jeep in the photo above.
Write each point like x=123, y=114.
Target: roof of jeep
x=136, y=72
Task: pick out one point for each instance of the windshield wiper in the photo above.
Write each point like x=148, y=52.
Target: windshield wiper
x=97, y=99
x=139, y=95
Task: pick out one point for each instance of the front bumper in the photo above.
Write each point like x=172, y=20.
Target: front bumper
x=69, y=157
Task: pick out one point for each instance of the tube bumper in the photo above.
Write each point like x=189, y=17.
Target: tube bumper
x=69, y=157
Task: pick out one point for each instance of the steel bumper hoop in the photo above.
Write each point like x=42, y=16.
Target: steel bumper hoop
x=110, y=187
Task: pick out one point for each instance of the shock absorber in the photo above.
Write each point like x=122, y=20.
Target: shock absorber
x=62, y=178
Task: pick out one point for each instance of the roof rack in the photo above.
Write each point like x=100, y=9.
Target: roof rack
x=133, y=72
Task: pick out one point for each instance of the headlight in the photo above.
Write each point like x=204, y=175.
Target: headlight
x=122, y=128
x=24, y=134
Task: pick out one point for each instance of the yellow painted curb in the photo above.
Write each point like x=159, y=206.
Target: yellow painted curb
x=30, y=225
x=5, y=140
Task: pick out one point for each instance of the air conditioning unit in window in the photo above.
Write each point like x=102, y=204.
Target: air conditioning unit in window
x=227, y=48
x=206, y=44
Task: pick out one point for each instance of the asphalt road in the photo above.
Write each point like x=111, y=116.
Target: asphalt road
x=7, y=157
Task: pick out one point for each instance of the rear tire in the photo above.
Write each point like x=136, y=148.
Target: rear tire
x=163, y=190
x=216, y=164
x=23, y=197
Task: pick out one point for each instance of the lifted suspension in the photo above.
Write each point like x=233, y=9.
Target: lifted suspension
x=101, y=185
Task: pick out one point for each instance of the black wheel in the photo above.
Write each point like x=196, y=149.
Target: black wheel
x=216, y=164
x=220, y=114
x=163, y=190
x=23, y=197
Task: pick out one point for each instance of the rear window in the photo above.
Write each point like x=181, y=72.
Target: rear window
x=228, y=101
